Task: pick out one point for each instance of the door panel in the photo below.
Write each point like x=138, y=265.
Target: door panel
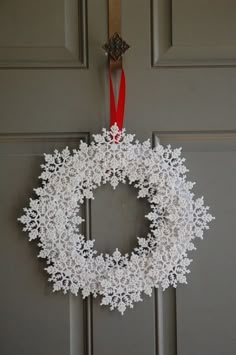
x=187, y=33
x=33, y=320
x=49, y=33
x=205, y=320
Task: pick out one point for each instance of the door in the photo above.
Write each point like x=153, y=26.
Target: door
x=181, y=84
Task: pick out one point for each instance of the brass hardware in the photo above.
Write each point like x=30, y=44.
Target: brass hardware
x=115, y=47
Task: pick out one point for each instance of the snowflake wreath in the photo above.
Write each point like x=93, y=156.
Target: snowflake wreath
x=175, y=218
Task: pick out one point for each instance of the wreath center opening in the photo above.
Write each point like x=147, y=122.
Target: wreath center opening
x=118, y=218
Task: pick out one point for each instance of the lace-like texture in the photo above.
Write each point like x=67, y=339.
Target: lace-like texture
x=159, y=260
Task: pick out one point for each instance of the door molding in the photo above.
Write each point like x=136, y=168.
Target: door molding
x=66, y=47
x=165, y=53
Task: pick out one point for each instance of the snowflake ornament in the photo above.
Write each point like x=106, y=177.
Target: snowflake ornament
x=159, y=260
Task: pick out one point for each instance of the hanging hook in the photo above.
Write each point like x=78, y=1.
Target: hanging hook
x=115, y=47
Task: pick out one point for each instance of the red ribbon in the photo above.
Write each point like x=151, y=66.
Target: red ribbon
x=117, y=114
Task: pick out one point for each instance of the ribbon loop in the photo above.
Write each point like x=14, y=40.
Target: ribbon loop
x=117, y=113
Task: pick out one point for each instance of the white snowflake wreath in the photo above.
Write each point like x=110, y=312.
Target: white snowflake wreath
x=175, y=217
